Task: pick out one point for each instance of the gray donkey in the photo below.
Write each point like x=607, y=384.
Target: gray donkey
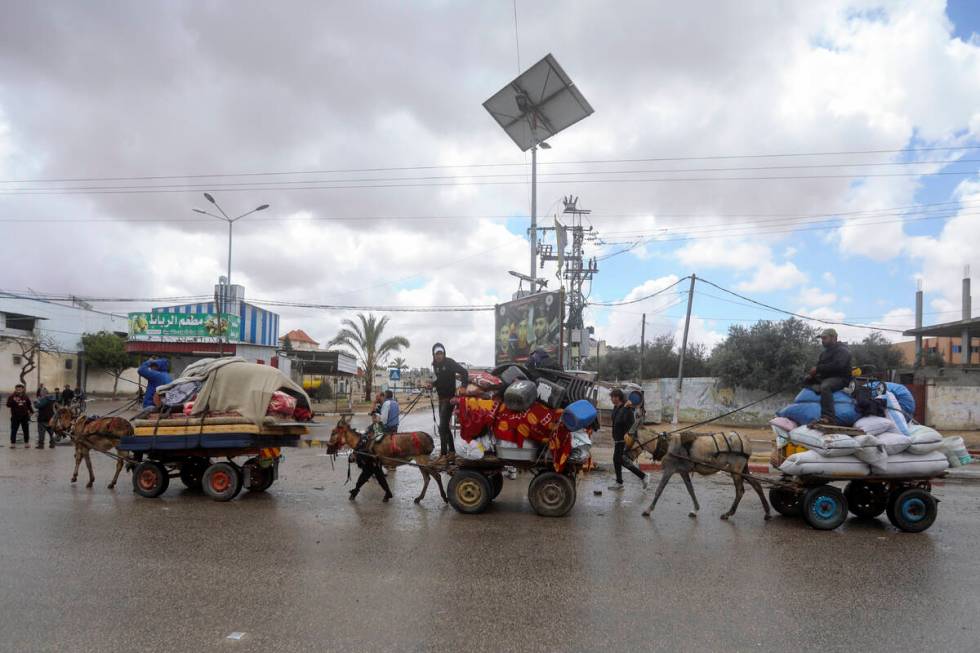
x=706, y=454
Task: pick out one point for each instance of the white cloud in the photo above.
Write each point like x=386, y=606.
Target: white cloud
x=769, y=276
x=816, y=297
x=829, y=278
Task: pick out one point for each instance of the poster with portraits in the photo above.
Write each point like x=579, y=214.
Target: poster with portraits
x=528, y=324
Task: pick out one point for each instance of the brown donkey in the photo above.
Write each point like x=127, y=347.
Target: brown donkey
x=393, y=450
x=100, y=433
x=706, y=454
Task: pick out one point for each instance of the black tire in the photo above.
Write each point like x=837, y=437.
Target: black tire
x=866, y=499
x=260, y=479
x=551, y=494
x=222, y=481
x=913, y=510
x=496, y=484
x=824, y=507
x=192, y=473
x=786, y=502
x=469, y=492
x=150, y=479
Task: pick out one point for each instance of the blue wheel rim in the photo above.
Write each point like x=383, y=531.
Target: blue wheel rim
x=825, y=507
x=913, y=509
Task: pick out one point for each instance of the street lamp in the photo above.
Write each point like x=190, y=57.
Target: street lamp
x=231, y=222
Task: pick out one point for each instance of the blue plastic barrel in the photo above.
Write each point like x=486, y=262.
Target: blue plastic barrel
x=636, y=398
x=579, y=415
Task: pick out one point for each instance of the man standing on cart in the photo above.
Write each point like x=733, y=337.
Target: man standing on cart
x=446, y=370
x=832, y=373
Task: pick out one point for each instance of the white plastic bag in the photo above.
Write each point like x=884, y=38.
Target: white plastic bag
x=873, y=425
x=923, y=439
x=894, y=442
x=956, y=452
x=896, y=415
x=908, y=465
x=872, y=452
x=811, y=463
x=474, y=449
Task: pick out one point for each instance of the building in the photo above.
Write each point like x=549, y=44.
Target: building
x=947, y=348
x=299, y=340
x=188, y=332
x=46, y=335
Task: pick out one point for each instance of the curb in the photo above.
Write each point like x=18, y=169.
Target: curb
x=754, y=468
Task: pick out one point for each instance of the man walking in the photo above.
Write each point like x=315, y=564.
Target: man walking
x=446, y=370
x=45, y=411
x=622, y=421
x=832, y=373
x=20, y=415
x=67, y=395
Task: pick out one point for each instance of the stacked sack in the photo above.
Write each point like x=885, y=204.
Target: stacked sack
x=900, y=404
x=880, y=451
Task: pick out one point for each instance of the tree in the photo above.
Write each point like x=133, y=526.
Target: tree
x=107, y=351
x=768, y=355
x=363, y=339
x=660, y=360
x=30, y=352
x=399, y=363
x=877, y=352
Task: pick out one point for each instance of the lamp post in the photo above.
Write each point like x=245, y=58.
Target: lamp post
x=231, y=222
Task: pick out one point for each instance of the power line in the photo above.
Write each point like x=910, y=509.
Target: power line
x=640, y=299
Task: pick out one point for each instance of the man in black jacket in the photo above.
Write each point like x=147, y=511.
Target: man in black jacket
x=446, y=370
x=622, y=421
x=832, y=373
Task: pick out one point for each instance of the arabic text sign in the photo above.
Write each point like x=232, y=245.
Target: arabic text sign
x=183, y=327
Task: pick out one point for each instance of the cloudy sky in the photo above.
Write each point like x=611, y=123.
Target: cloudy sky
x=816, y=156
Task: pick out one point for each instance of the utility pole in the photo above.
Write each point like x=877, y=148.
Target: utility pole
x=534, y=216
x=643, y=341
x=680, y=364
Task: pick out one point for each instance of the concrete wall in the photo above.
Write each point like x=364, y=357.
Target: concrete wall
x=703, y=398
x=953, y=407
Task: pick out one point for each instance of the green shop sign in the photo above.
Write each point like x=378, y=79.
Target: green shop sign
x=183, y=327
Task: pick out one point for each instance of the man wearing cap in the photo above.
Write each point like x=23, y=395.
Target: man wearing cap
x=446, y=370
x=832, y=373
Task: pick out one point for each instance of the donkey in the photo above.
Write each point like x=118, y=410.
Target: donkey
x=100, y=433
x=393, y=450
x=706, y=454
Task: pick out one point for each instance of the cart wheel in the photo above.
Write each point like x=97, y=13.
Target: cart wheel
x=824, y=507
x=150, y=479
x=469, y=492
x=551, y=494
x=191, y=473
x=222, y=481
x=866, y=499
x=786, y=502
x=496, y=484
x=913, y=510
x=260, y=478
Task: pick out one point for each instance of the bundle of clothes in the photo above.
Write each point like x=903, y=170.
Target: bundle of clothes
x=234, y=388
x=520, y=408
x=881, y=441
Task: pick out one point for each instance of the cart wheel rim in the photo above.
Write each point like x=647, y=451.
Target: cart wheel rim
x=469, y=492
x=825, y=507
x=147, y=479
x=914, y=509
x=220, y=481
x=551, y=495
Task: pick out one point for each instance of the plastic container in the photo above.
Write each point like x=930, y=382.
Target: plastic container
x=520, y=394
x=635, y=397
x=550, y=393
x=578, y=415
x=512, y=374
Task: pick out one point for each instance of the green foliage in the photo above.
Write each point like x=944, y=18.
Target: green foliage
x=878, y=352
x=363, y=338
x=107, y=351
x=660, y=360
x=933, y=359
x=767, y=355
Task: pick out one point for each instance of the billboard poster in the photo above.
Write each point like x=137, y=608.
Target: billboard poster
x=183, y=327
x=526, y=325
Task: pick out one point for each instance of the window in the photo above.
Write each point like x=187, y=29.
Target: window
x=956, y=349
x=18, y=360
x=68, y=363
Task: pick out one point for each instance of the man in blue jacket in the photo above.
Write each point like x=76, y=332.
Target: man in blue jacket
x=155, y=371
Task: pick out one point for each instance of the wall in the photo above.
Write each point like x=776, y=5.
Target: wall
x=953, y=407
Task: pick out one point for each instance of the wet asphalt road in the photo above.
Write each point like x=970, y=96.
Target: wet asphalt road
x=301, y=568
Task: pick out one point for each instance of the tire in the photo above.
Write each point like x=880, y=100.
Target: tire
x=192, y=473
x=496, y=484
x=150, y=479
x=786, y=502
x=469, y=492
x=865, y=499
x=222, y=481
x=551, y=494
x=824, y=507
x=260, y=478
x=913, y=510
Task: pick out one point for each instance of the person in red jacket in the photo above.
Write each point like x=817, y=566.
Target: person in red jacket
x=20, y=415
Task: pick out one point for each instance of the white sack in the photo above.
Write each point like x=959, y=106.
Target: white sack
x=811, y=463
x=956, y=452
x=872, y=452
x=873, y=425
x=923, y=439
x=838, y=444
x=894, y=442
x=908, y=465
x=806, y=437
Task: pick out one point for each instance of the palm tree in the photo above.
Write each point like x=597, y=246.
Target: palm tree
x=363, y=339
x=399, y=363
